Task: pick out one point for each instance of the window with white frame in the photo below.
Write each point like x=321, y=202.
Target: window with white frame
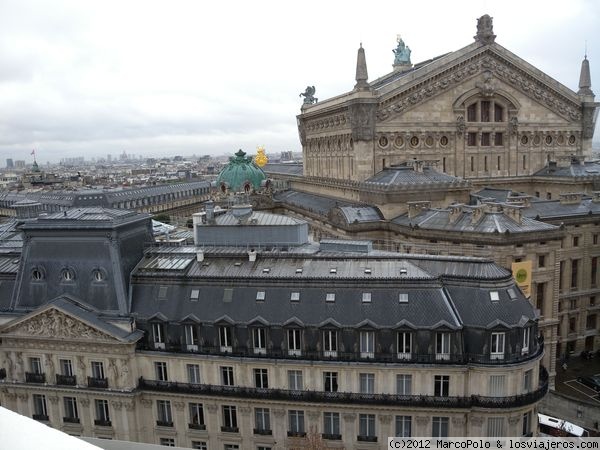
x=66, y=368
x=193, y=371
x=497, y=347
x=366, y=425
x=330, y=297
x=404, y=345
x=97, y=369
x=331, y=424
x=367, y=344
x=403, y=384
x=194, y=295
x=191, y=337
x=163, y=410
x=227, y=376
x=230, y=418
x=158, y=335
x=102, y=412
x=196, y=415
x=40, y=410
x=71, y=413
x=527, y=380
x=167, y=442
x=295, y=380
x=366, y=383
x=441, y=385
x=261, y=378
x=160, y=370
x=497, y=386
x=366, y=297
x=526, y=340
x=225, y=341
x=199, y=445
x=294, y=342
x=259, y=338
x=439, y=426
x=442, y=346
x=495, y=426
x=262, y=419
x=330, y=343
x=403, y=426
x=330, y=381
x=296, y=421
x=260, y=296
x=35, y=365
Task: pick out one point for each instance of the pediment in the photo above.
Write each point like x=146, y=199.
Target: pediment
x=54, y=324
x=503, y=66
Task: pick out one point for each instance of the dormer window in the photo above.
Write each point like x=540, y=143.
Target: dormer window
x=330, y=297
x=366, y=297
x=494, y=296
x=403, y=297
x=260, y=296
x=295, y=296
x=497, y=347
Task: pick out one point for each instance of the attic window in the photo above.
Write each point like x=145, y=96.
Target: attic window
x=368, y=271
x=37, y=275
x=227, y=295
x=511, y=293
x=366, y=297
x=295, y=296
x=403, y=297
x=266, y=270
x=403, y=271
x=330, y=297
x=162, y=292
x=194, y=295
x=333, y=270
x=494, y=296
x=299, y=270
x=260, y=296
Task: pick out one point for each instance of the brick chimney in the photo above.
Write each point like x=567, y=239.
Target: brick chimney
x=514, y=212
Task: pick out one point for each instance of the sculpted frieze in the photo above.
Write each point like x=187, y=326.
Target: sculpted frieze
x=490, y=65
x=56, y=325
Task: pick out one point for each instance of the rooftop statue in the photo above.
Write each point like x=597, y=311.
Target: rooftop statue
x=402, y=52
x=485, y=30
x=309, y=95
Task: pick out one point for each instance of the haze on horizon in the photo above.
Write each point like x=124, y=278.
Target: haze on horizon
x=183, y=77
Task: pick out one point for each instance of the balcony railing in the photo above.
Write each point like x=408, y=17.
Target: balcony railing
x=366, y=438
x=332, y=437
x=513, y=401
x=197, y=426
x=230, y=429
x=97, y=382
x=404, y=358
x=66, y=380
x=71, y=419
x=42, y=417
x=102, y=423
x=31, y=377
x=299, y=434
x=164, y=423
x=263, y=432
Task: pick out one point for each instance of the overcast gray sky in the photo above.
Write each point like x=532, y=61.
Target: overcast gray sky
x=88, y=78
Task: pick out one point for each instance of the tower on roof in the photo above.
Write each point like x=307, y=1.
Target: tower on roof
x=361, y=71
x=485, y=30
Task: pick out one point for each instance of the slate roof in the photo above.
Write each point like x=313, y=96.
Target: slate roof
x=85, y=217
x=549, y=209
x=496, y=195
x=257, y=218
x=359, y=214
x=284, y=169
x=310, y=202
x=576, y=170
x=406, y=175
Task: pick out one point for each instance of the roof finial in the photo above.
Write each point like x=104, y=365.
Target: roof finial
x=485, y=30
x=585, y=81
x=361, y=71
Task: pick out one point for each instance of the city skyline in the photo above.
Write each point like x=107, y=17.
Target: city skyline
x=188, y=79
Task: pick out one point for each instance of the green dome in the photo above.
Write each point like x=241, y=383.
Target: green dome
x=241, y=174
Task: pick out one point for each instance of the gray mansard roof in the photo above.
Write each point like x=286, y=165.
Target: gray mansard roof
x=576, y=169
x=554, y=209
x=406, y=175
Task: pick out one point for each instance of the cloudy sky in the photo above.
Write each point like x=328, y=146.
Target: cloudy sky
x=89, y=78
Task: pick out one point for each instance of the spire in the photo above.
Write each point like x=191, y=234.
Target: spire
x=585, y=82
x=361, y=71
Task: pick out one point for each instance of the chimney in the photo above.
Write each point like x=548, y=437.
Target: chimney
x=455, y=213
x=571, y=198
x=514, y=212
x=477, y=213
x=200, y=255
x=252, y=255
x=418, y=165
x=415, y=208
x=209, y=208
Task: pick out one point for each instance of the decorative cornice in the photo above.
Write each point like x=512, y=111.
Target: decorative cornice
x=485, y=62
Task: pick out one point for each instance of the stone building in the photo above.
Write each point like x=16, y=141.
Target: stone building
x=254, y=345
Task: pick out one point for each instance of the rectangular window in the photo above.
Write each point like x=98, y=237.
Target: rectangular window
x=366, y=297
x=160, y=370
x=471, y=142
x=485, y=111
x=193, y=371
x=594, y=270
x=71, y=413
x=574, y=270
x=191, y=337
x=194, y=295
x=441, y=385
x=366, y=425
x=527, y=380
x=40, y=410
x=495, y=426
x=575, y=241
x=539, y=297
x=472, y=113
x=259, y=336
x=524, y=162
x=367, y=344
x=330, y=343
x=498, y=113
x=404, y=384
x=295, y=296
x=225, y=340
x=331, y=424
x=65, y=367
x=330, y=297
x=97, y=369
x=296, y=420
x=442, y=346
x=260, y=296
x=572, y=324
x=330, y=381
x=295, y=380
x=485, y=142
x=497, y=347
x=102, y=412
x=541, y=261
x=230, y=419
x=227, y=295
x=403, y=426
x=498, y=142
x=199, y=445
x=294, y=342
x=167, y=442
x=196, y=416
x=227, y=376
x=366, y=383
x=497, y=385
x=526, y=428
x=404, y=344
x=163, y=409
x=595, y=239
x=439, y=426
x=262, y=419
x=158, y=335
x=261, y=378
x=590, y=322
x=35, y=365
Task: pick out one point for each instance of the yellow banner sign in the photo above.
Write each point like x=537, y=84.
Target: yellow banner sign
x=522, y=274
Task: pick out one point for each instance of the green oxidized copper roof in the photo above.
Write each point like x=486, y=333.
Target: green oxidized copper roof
x=240, y=171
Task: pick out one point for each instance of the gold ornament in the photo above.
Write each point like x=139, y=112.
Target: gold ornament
x=260, y=159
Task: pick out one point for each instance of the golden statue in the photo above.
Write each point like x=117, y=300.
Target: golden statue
x=260, y=159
